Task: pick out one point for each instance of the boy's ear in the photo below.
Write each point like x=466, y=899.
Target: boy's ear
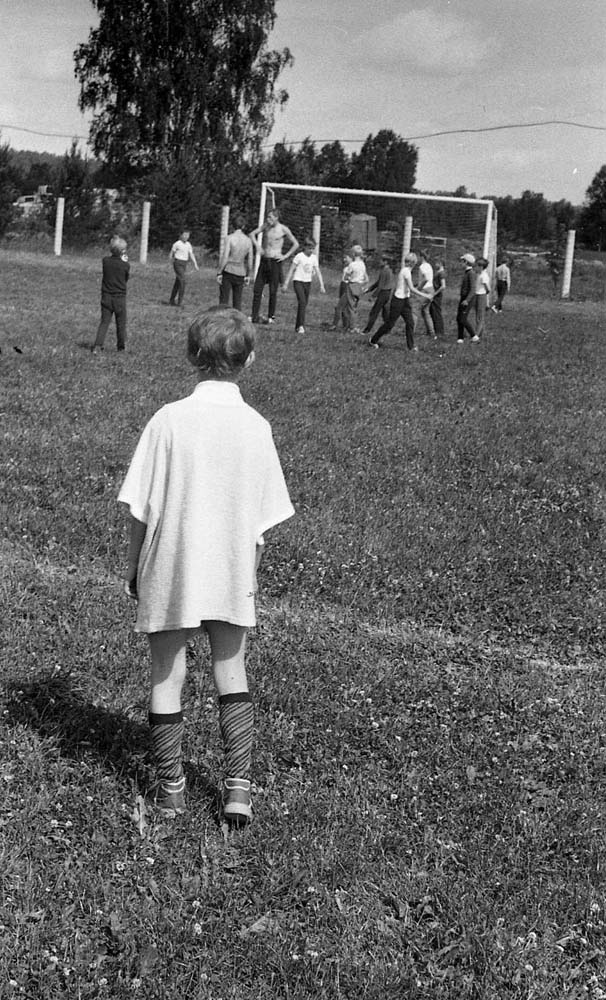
x=249, y=360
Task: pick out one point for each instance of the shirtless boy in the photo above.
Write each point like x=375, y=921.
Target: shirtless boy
x=269, y=241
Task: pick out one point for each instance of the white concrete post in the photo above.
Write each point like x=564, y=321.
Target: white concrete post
x=144, y=232
x=315, y=232
x=568, y=263
x=407, y=239
x=59, y=225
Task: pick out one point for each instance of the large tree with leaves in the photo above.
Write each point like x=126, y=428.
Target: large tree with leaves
x=593, y=215
x=168, y=80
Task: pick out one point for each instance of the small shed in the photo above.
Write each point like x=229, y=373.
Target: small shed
x=364, y=231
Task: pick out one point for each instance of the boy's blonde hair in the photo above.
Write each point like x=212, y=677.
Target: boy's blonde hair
x=220, y=341
x=117, y=246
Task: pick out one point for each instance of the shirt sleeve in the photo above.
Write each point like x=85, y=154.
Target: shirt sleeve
x=275, y=504
x=147, y=469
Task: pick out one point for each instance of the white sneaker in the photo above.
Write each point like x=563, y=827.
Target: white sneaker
x=270, y=320
x=300, y=329
x=475, y=339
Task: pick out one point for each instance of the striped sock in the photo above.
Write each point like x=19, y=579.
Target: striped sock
x=236, y=722
x=166, y=735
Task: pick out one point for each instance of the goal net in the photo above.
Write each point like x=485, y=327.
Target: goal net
x=384, y=222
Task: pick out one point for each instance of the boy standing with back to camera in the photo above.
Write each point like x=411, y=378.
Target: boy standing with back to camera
x=116, y=271
x=203, y=487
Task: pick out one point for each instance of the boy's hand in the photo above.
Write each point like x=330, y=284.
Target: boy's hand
x=130, y=589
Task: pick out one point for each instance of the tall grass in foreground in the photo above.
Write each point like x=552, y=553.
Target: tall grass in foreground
x=428, y=667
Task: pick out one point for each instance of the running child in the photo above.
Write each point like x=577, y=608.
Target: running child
x=304, y=266
x=401, y=305
x=204, y=485
x=384, y=289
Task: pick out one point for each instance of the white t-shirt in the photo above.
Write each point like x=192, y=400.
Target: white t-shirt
x=482, y=283
x=206, y=480
x=425, y=276
x=181, y=250
x=304, y=266
x=402, y=289
x=357, y=273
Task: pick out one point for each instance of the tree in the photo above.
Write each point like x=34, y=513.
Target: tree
x=333, y=165
x=8, y=186
x=592, y=221
x=87, y=215
x=171, y=80
x=386, y=162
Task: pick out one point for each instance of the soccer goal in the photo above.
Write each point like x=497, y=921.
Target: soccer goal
x=387, y=222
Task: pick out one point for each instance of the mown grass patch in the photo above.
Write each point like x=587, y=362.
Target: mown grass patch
x=427, y=669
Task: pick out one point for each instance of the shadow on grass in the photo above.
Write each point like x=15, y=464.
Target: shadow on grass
x=54, y=708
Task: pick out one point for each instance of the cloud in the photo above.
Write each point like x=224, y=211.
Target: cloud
x=434, y=42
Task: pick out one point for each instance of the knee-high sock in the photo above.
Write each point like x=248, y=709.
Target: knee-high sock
x=236, y=722
x=167, y=735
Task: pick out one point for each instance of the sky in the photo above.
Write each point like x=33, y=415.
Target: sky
x=416, y=68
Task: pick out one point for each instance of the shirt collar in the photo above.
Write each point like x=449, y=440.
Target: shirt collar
x=219, y=389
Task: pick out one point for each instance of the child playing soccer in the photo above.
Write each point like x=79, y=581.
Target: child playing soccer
x=304, y=266
x=339, y=317
x=204, y=485
x=116, y=270
x=481, y=294
x=383, y=287
x=356, y=285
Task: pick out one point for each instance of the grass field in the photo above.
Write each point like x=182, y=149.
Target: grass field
x=428, y=668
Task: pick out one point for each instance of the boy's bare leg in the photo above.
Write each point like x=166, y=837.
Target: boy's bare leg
x=165, y=716
x=228, y=646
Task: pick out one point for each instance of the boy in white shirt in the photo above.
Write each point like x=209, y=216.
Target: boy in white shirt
x=480, y=300
x=356, y=283
x=401, y=305
x=304, y=266
x=180, y=254
x=203, y=487
x=425, y=285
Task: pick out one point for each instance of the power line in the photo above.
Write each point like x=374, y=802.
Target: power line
x=45, y=135
x=455, y=131
x=406, y=138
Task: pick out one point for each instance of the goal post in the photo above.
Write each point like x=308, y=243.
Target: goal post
x=384, y=221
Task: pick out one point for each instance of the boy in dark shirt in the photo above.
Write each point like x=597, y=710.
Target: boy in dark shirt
x=113, y=294
x=466, y=299
x=384, y=288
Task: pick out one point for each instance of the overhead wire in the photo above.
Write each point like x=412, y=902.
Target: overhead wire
x=406, y=138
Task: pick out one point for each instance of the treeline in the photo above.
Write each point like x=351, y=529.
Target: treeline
x=98, y=201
